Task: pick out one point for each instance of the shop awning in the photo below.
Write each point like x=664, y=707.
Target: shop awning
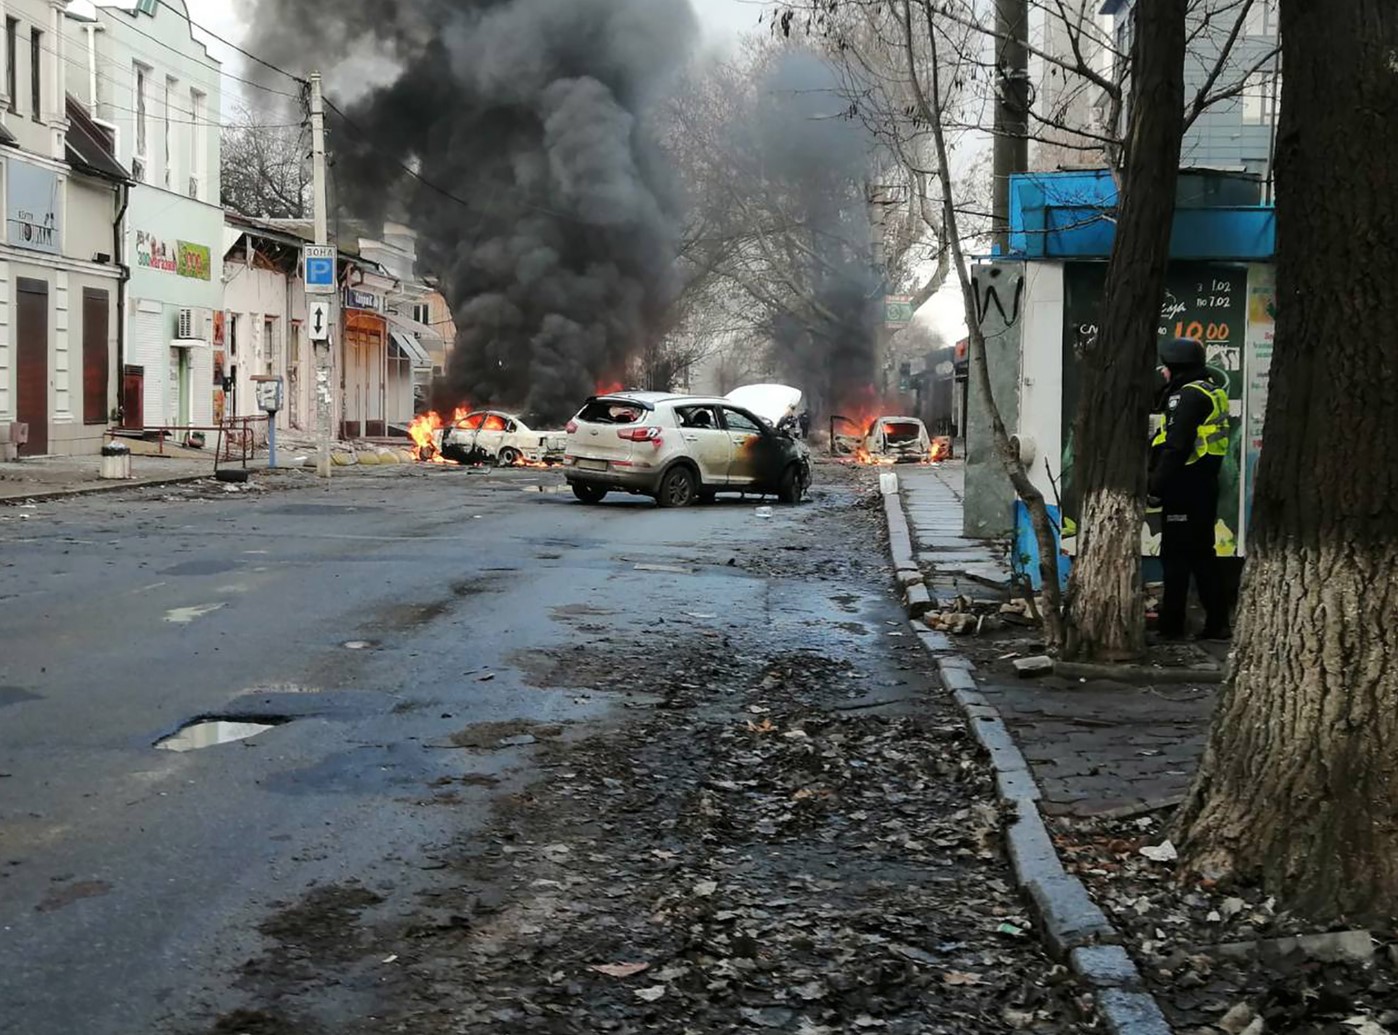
x=408, y=345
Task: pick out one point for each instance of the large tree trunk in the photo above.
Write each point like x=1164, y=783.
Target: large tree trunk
x=1299, y=784
x=1105, y=606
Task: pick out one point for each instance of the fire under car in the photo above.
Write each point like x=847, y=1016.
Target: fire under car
x=889, y=439
x=493, y=436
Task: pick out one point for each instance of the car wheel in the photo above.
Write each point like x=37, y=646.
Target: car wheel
x=793, y=485
x=509, y=456
x=589, y=493
x=678, y=488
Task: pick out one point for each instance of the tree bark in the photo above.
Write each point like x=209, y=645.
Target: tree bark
x=1299, y=783
x=1106, y=613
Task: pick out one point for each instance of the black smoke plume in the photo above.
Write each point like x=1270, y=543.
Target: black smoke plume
x=555, y=245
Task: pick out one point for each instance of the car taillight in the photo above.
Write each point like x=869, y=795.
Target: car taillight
x=639, y=434
x=572, y=427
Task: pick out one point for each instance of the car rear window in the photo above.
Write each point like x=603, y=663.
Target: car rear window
x=611, y=411
x=900, y=430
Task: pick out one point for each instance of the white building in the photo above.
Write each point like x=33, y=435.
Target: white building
x=60, y=254
x=137, y=66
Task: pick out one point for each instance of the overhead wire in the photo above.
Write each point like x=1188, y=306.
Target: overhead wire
x=216, y=68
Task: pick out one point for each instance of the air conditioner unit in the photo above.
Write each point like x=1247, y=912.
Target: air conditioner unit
x=188, y=327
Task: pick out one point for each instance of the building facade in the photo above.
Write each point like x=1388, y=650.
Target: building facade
x=155, y=88
x=1236, y=132
x=60, y=260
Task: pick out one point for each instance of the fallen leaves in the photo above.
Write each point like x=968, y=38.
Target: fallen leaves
x=620, y=970
x=650, y=995
x=960, y=977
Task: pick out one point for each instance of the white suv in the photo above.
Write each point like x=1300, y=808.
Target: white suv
x=680, y=449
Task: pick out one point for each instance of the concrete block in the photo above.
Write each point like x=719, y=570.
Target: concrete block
x=1131, y=1013
x=1105, y=966
x=1070, y=917
x=1039, y=665
x=935, y=642
x=1031, y=849
x=1016, y=785
x=919, y=602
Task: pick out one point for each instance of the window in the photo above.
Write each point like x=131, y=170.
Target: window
x=36, y=78
x=1262, y=18
x=232, y=334
x=422, y=313
x=198, y=107
x=696, y=417
x=1260, y=99
x=735, y=421
x=269, y=345
x=138, y=160
x=12, y=63
x=171, y=180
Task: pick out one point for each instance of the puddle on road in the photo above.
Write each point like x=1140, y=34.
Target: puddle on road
x=185, y=615
x=203, y=733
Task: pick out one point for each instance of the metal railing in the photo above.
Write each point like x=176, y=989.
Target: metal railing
x=236, y=439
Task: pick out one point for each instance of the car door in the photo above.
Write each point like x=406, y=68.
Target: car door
x=706, y=441
x=746, y=437
x=491, y=438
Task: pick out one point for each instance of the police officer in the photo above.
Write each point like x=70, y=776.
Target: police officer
x=1186, y=458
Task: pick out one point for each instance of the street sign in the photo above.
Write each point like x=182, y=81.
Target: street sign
x=318, y=317
x=897, y=310
x=319, y=263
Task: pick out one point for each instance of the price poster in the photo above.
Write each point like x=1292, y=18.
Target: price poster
x=1207, y=301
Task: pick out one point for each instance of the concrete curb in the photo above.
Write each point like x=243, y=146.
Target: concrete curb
x=100, y=487
x=1073, y=927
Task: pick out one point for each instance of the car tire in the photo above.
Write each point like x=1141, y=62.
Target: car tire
x=792, y=486
x=589, y=493
x=508, y=457
x=678, y=488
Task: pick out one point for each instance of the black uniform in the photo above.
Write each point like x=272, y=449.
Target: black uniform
x=1188, y=494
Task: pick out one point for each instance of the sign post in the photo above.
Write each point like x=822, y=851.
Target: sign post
x=320, y=274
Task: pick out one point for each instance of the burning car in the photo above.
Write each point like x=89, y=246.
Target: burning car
x=681, y=449
x=485, y=436
x=886, y=440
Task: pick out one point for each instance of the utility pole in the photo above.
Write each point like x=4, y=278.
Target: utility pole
x=323, y=349
x=1011, y=150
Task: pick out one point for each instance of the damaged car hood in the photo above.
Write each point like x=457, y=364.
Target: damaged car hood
x=770, y=402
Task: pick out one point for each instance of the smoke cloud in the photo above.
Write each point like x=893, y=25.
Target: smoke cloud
x=556, y=247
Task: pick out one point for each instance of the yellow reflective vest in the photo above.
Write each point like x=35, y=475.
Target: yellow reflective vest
x=1212, y=436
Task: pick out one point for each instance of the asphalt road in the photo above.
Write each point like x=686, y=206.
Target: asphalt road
x=132, y=879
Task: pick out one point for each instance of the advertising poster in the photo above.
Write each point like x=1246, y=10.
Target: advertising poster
x=1208, y=301
x=220, y=369
x=1262, y=315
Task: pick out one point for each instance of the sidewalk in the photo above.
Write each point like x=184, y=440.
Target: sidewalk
x=66, y=475
x=1095, y=748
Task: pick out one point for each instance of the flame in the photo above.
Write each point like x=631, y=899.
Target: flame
x=608, y=388
x=422, y=432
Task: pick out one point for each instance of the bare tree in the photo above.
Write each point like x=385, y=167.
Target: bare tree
x=265, y=169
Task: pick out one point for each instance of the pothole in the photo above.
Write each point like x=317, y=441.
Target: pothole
x=204, y=733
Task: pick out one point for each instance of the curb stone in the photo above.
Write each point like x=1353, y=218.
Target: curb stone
x=1073, y=927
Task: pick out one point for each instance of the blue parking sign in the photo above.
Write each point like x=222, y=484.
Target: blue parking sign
x=319, y=264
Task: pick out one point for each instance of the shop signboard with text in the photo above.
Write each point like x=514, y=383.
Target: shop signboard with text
x=32, y=208
x=1207, y=301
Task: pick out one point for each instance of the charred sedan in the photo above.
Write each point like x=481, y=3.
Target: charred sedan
x=681, y=449
x=493, y=436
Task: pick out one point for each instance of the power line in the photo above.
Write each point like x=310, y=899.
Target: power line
x=217, y=69
x=247, y=54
